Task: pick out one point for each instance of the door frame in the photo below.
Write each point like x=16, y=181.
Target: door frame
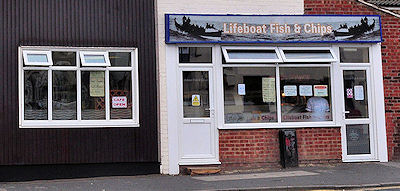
x=361, y=121
x=197, y=159
x=376, y=101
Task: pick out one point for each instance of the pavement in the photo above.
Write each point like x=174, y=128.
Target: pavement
x=343, y=176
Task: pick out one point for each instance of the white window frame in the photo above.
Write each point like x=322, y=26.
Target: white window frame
x=225, y=50
x=82, y=55
x=282, y=49
x=280, y=124
x=37, y=52
x=79, y=123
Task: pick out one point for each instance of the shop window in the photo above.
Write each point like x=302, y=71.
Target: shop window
x=37, y=58
x=249, y=95
x=195, y=55
x=94, y=59
x=354, y=54
x=316, y=54
x=305, y=94
x=250, y=55
x=70, y=94
x=277, y=92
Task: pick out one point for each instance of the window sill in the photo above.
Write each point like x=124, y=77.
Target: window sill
x=78, y=124
x=279, y=126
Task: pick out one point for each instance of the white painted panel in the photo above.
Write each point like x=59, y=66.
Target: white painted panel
x=196, y=140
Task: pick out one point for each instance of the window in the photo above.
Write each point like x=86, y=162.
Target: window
x=195, y=54
x=354, y=54
x=257, y=103
x=94, y=58
x=268, y=92
x=305, y=94
x=78, y=87
x=37, y=58
x=309, y=54
x=251, y=55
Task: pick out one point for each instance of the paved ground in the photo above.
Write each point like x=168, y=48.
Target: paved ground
x=348, y=176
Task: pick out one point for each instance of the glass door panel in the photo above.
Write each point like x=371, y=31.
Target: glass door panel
x=196, y=94
x=356, y=96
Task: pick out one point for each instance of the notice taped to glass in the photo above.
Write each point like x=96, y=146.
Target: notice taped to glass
x=97, y=84
x=268, y=90
x=198, y=28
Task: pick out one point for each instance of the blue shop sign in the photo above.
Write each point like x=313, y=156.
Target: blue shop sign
x=197, y=28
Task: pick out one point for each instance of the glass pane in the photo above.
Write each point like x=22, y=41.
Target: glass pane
x=64, y=58
x=120, y=58
x=196, y=94
x=35, y=95
x=37, y=57
x=95, y=59
x=252, y=54
x=308, y=54
x=195, y=55
x=356, y=97
x=305, y=94
x=93, y=91
x=64, y=95
x=354, y=55
x=249, y=95
x=121, y=95
x=358, y=139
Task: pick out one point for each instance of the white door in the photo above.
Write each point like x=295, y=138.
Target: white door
x=197, y=131
x=358, y=130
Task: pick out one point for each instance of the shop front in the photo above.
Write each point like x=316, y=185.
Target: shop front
x=233, y=81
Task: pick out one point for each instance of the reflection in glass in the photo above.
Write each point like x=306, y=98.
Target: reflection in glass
x=356, y=97
x=37, y=57
x=120, y=58
x=64, y=58
x=308, y=54
x=196, y=94
x=121, y=95
x=95, y=59
x=252, y=54
x=195, y=54
x=64, y=95
x=354, y=54
x=257, y=102
x=358, y=140
x=35, y=95
x=305, y=94
x=93, y=92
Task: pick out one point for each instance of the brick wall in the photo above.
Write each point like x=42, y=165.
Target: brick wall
x=390, y=60
x=259, y=148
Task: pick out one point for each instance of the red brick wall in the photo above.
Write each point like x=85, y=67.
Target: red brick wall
x=390, y=60
x=259, y=148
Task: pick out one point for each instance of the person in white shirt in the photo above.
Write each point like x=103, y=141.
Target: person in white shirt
x=318, y=106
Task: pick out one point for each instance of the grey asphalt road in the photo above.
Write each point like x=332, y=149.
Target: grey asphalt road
x=343, y=175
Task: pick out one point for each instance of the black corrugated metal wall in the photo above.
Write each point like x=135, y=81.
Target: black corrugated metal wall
x=121, y=23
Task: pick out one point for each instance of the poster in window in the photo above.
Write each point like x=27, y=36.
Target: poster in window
x=96, y=84
x=196, y=100
x=242, y=89
x=119, y=102
x=268, y=90
x=349, y=93
x=305, y=90
x=321, y=90
x=290, y=90
x=359, y=93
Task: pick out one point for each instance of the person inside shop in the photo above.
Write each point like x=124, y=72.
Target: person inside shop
x=318, y=106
